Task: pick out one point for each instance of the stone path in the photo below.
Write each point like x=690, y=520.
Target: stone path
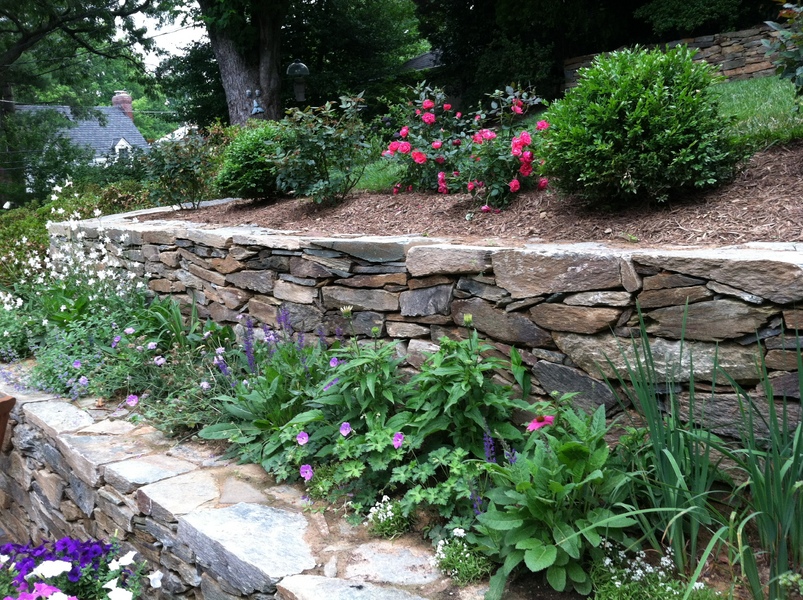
x=226, y=531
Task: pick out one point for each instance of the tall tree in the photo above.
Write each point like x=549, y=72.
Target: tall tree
x=245, y=37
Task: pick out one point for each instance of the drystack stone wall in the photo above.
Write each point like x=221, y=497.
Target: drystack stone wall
x=214, y=529
x=738, y=54
x=569, y=309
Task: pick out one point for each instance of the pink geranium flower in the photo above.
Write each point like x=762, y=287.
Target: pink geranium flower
x=302, y=438
x=540, y=421
x=306, y=472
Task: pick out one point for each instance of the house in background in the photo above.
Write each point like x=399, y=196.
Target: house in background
x=107, y=137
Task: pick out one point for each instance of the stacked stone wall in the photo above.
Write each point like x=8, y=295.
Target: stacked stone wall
x=571, y=310
x=737, y=54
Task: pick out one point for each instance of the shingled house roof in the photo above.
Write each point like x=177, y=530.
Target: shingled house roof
x=104, y=138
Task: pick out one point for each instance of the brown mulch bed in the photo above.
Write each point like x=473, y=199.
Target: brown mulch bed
x=764, y=202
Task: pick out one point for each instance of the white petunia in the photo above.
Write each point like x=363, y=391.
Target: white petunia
x=155, y=579
x=50, y=568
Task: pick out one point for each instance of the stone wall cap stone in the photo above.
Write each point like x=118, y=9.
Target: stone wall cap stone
x=249, y=545
x=374, y=249
x=314, y=587
x=55, y=418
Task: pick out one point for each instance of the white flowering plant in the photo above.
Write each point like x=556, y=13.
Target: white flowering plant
x=626, y=576
x=386, y=519
x=456, y=557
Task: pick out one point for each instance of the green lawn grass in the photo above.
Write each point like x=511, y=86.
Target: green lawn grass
x=763, y=110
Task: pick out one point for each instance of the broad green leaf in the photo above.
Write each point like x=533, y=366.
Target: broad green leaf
x=540, y=558
x=556, y=576
x=576, y=572
x=566, y=537
x=500, y=520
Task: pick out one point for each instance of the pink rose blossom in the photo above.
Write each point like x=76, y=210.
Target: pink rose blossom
x=526, y=169
x=515, y=185
x=526, y=156
x=440, y=160
x=525, y=138
x=543, y=183
x=458, y=115
x=485, y=208
x=541, y=125
x=404, y=131
x=405, y=147
x=419, y=157
x=516, y=109
x=488, y=134
x=417, y=111
x=437, y=144
x=428, y=118
x=470, y=186
x=394, y=146
x=427, y=104
x=448, y=107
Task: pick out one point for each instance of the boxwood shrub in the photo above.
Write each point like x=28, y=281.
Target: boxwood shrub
x=249, y=168
x=639, y=125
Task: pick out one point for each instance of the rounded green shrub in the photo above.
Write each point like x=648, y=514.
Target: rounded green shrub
x=249, y=168
x=639, y=125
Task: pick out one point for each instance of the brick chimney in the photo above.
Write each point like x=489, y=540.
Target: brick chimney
x=122, y=99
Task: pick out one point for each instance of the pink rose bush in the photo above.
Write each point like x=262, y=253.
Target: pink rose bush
x=483, y=156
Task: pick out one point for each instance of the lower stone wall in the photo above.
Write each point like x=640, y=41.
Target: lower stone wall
x=738, y=54
x=216, y=530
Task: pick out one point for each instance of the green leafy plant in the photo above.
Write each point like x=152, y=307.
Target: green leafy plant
x=639, y=124
x=552, y=503
x=329, y=154
x=182, y=172
x=455, y=397
x=787, y=46
x=248, y=169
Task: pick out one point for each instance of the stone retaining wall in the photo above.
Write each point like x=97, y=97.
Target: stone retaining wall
x=738, y=54
x=569, y=309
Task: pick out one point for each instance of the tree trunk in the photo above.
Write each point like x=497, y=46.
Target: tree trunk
x=237, y=76
x=248, y=66
x=270, y=81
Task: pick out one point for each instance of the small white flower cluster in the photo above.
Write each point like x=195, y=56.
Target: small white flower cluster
x=381, y=511
x=453, y=547
x=625, y=569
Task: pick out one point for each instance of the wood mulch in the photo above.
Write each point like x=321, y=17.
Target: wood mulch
x=764, y=202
